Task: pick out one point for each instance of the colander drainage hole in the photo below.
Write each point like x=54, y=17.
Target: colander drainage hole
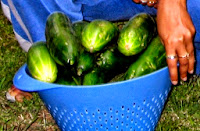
x=138, y=107
x=111, y=117
x=122, y=107
x=88, y=119
x=93, y=115
x=106, y=121
x=78, y=118
x=117, y=119
x=134, y=105
x=131, y=120
x=135, y=123
x=105, y=113
x=127, y=117
x=144, y=102
x=166, y=92
x=117, y=112
x=152, y=99
x=140, y=118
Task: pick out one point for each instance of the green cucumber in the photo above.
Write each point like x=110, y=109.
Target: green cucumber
x=107, y=60
x=136, y=34
x=78, y=27
x=67, y=77
x=112, y=63
x=152, y=59
x=64, y=81
x=86, y=59
x=97, y=34
x=40, y=63
x=61, y=39
x=94, y=77
x=85, y=62
x=117, y=78
x=112, y=59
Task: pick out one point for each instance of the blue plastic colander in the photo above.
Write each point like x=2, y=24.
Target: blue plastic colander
x=134, y=104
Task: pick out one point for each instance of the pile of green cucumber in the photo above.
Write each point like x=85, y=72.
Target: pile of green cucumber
x=96, y=52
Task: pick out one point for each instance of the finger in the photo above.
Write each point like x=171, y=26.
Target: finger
x=143, y=2
x=151, y=3
x=191, y=58
x=183, y=58
x=191, y=63
x=136, y=1
x=183, y=63
x=155, y=6
x=172, y=64
x=190, y=50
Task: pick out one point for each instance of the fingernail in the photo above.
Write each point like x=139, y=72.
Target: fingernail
x=191, y=72
x=174, y=82
x=184, y=79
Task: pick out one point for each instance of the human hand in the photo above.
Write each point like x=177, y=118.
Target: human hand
x=150, y=3
x=176, y=31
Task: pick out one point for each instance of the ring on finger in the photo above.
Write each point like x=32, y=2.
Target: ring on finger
x=143, y=1
x=152, y=2
x=171, y=57
x=184, y=56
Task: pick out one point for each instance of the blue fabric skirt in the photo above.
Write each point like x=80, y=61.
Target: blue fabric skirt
x=28, y=17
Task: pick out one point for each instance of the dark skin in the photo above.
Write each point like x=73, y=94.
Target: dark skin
x=176, y=31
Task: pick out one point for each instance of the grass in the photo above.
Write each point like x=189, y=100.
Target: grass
x=29, y=115
x=182, y=110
